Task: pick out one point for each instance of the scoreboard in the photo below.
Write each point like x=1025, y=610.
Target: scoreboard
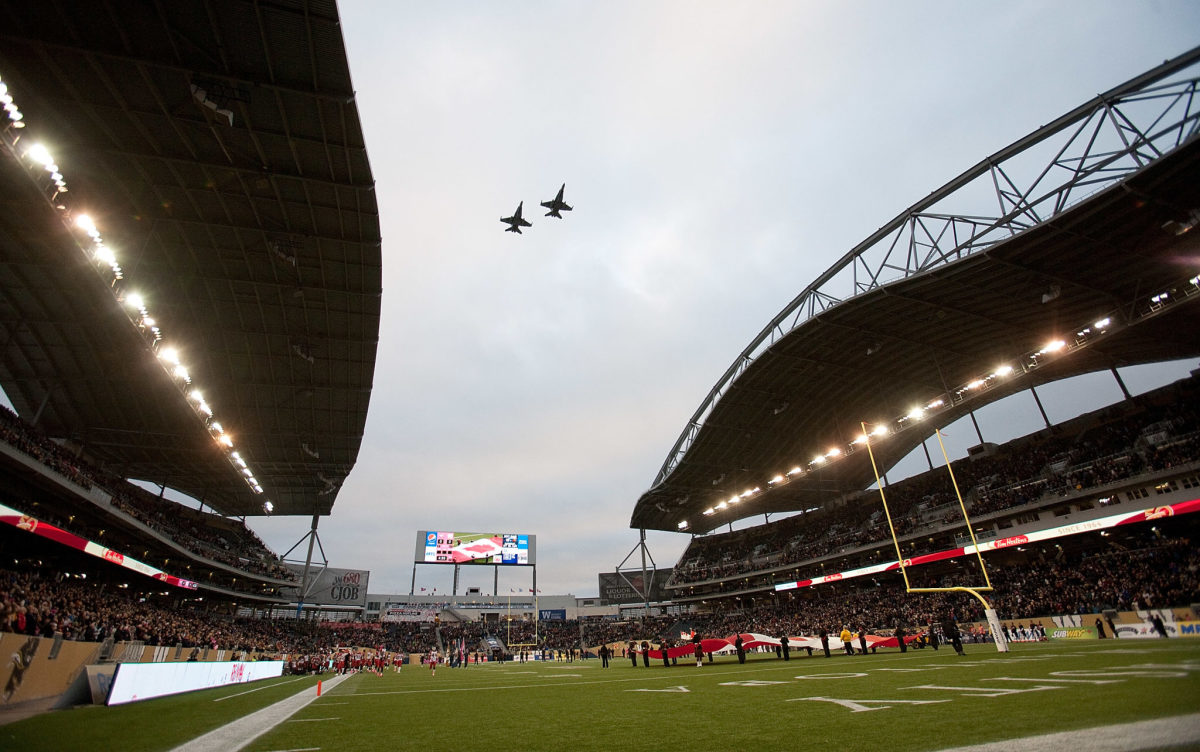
x=447, y=547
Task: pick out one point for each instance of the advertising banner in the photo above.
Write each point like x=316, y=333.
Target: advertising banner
x=1122, y=518
x=399, y=612
x=142, y=681
x=332, y=587
x=552, y=614
x=29, y=524
x=615, y=588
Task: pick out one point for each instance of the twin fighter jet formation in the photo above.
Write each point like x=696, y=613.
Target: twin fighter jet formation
x=555, y=205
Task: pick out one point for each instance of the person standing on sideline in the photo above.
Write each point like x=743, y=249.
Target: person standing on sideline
x=740, y=647
x=633, y=654
x=645, y=654
x=862, y=640
x=785, y=646
x=846, y=639
x=1157, y=622
x=663, y=646
x=433, y=659
x=900, y=637
x=951, y=634
x=699, y=653
x=604, y=651
x=825, y=641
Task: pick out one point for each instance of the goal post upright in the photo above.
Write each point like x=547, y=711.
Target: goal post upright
x=993, y=618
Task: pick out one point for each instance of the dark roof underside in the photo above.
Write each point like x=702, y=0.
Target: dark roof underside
x=931, y=333
x=255, y=244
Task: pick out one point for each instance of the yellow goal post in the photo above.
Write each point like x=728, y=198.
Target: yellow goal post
x=992, y=618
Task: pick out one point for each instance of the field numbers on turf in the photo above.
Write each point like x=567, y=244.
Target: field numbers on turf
x=680, y=688
x=985, y=691
x=750, y=683
x=861, y=706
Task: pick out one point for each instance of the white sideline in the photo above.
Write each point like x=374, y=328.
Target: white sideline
x=1156, y=734
x=236, y=735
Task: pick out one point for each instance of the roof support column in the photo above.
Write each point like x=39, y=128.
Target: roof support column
x=928, y=459
x=1121, y=383
x=1041, y=409
x=37, y=415
x=976, y=423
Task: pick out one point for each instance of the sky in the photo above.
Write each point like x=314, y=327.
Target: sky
x=719, y=157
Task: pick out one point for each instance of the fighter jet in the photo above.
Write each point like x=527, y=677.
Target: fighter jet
x=515, y=222
x=557, y=204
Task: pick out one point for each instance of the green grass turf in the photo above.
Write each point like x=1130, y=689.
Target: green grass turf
x=580, y=706
x=147, y=726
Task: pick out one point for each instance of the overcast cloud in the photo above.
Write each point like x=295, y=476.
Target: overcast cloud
x=719, y=157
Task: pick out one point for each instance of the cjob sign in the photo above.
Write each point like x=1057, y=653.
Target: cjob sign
x=333, y=587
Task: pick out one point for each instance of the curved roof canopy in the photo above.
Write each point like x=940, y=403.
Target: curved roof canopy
x=217, y=150
x=1090, y=263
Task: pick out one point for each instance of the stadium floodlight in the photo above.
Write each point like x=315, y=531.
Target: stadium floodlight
x=169, y=354
x=722, y=505
x=682, y=525
x=819, y=459
x=709, y=511
x=40, y=154
x=880, y=430
x=795, y=471
x=215, y=426
x=1195, y=280
x=1102, y=323
x=85, y=223
x=226, y=440
x=1053, y=346
x=135, y=301
x=915, y=414
x=835, y=452
x=776, y=479
x=1004, y=370
x=268, y=507
x=182, y=374
x=734, y=499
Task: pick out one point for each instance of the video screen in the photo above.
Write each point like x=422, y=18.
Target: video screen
x=439, y=547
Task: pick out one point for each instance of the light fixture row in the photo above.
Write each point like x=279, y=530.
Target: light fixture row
x=38, y=156
x=1083, y=336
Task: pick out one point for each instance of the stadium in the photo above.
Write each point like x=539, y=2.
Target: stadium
x=190, y=297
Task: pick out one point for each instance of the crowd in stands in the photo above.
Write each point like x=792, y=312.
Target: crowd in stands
x=33, y=604
x=1109, y=445
x=1158, y=573
x=214, y=537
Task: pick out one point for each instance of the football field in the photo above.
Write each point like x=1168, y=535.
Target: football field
x=921, y=700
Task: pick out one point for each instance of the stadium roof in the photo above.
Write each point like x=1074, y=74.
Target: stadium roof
x=217, y=148
x=1095, y=224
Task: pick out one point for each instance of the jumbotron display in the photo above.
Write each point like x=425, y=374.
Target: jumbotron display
x=439, y=547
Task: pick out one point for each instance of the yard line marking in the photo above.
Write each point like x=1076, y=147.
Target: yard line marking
x=310, y=720
x=298, y=749
x=256, y=689
x=1154, y=734
x=240, y=733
